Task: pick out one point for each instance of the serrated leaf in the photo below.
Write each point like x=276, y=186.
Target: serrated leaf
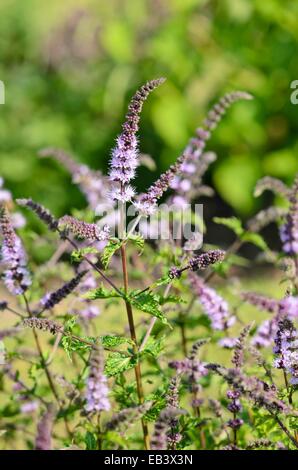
x=256, y=239
x=231, y=222
x=101, y=293
x=117, y=363
x=112, y=246
x=71, y=345
x=78, y=255
x=154, y=346
x=111, y=341
x=149, y=303
x=90, y=441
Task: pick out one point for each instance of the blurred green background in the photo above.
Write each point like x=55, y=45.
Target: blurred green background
x=70, y=67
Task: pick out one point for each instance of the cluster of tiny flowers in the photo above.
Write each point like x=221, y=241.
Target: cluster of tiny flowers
x=273, y=184
x=238, y=356
x=83, y=230
x=193, y=154
x=41, y=212
x=125, y=155
x=44, y=430
x=126, y=417
x=285, y=307
x=159, y=439
x=92, y=183
x=200, y=262
x=265, y=217
x=53, y=298
x=16, y=275
x=43, y=324
x=147, y=203
x=97, y=390
x=286, y=349
x=289, y=231
x=213, y=305
x=265, y=333
x=206, y=259
x=234, y=405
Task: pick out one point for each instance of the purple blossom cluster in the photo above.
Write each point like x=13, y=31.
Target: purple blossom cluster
x=286, y=349
x=125, y=155
x=213, y=304
x=53, y=298
x=92, y=183
x=16, y=275
x=97, y=390
x=83, y=230
x=195, y=160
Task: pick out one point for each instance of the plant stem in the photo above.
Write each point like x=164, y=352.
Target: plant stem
x=135, y=347
x=285, y=430
x=44, y=364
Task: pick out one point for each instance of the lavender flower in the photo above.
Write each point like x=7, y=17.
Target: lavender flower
x=238, y=358
x=29, y=407
x=286, y=349
x=16, y=275
x=92, y=183
x=289, y=231
x=43, y=324
x=204, y=260
x=159, y=439
x=273, y=184
x=147, y=203
x=260, y=301
x=195, y=161
x=265, y=333
x=41, y=211
x=97, y=389
x=265, y=217
x=84, y=230
x=125, y=155
x=213, y=305
x=127, y=417
x=44, y=430
x=53, y=298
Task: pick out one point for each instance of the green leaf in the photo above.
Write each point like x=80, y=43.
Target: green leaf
x=176, y=299
x=139, y=241
x=149, y=303
x=112, y=246
x=154, y=346
x=101, y=293
x=77, y=255
x=90, y=441
x=231, y=222
x=256, y=239
x=71, y=345
x=118, y=362
x=111, y=341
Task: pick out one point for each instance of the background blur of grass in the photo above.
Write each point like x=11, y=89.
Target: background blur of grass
x=69, y=68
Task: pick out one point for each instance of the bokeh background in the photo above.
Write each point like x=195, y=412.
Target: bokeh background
x=70, y=67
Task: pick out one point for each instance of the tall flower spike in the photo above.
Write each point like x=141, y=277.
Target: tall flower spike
x=44, y=430
x=16, y=275
x=84, y=230
x=125, y=155
x=127, y=417
x=238, y=358
x=289, y=231
x=160, y=439
x=265, y=217
x=195, y=161
x=97, y=390
x=43, y=213
x=43, y=324
x=92, y=183
x=53, y=298
x=273, y=184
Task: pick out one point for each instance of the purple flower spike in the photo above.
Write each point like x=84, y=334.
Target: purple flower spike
x=16, y=275
x=97, y=389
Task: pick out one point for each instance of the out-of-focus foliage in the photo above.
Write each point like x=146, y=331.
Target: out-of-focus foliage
x=68, y=68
